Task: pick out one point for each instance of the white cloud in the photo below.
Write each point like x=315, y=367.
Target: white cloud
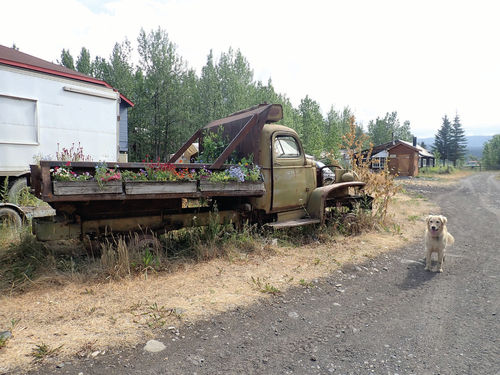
x=422, y=59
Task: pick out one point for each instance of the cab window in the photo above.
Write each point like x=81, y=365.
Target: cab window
x=285, y=146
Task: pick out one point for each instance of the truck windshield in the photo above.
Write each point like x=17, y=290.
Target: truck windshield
x=286, y=146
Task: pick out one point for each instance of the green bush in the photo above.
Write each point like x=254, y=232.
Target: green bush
x=449, y=169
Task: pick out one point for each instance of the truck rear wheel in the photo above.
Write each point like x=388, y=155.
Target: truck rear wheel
x=141, y=241
x=10, y=217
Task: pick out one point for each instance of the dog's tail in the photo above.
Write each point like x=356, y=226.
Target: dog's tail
x=450, y=240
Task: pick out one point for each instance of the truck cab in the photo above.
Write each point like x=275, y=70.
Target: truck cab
x=289, y=176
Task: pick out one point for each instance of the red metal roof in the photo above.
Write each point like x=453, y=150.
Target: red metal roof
x=12, y=57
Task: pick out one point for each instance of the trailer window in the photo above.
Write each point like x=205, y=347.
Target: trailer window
x=18, y=120
x=286, y=146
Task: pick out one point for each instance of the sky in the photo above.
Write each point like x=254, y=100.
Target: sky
x=423, y=59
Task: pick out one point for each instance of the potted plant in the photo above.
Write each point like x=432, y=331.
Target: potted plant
x=243, y=178
x=67, y=182
x=159, y=178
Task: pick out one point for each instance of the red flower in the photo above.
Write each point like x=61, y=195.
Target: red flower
x=68, y=163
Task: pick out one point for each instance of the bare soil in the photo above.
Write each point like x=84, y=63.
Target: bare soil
x=82, y=319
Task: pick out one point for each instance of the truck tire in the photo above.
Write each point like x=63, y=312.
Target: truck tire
x=14, y=190
x=10, y=216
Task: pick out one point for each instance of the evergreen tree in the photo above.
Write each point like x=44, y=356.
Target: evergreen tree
x=100, y=69
x=120, y=70
x=458, y=141
x=442, y=140
x=67, y=59
x=83, y=64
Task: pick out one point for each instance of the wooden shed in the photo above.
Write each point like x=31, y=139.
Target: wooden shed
x=403, y=159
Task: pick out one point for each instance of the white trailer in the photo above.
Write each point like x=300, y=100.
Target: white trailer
x=45, y=107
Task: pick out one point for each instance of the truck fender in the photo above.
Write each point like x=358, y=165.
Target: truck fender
x=316, y=203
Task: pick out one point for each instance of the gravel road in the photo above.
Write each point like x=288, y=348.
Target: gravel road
x=387, y=316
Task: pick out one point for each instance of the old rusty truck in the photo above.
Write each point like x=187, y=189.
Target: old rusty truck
x=290, y=190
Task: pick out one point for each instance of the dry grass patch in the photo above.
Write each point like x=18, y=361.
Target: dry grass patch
x=440, y=179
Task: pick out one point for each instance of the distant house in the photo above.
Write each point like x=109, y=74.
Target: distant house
x=401, y=157
x=44, y=106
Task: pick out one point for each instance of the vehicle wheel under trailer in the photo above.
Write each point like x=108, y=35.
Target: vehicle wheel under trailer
x=10, y=217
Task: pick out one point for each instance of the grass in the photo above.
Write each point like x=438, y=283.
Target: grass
x=42, y=351
x=413, y=218
x=264, y=287
x=439, y=170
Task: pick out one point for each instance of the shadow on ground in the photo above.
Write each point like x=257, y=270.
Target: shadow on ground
x=416, y=276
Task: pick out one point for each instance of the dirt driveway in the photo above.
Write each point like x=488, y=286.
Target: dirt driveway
x=387, y=316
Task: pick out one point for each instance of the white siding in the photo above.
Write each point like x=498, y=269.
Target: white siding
x=60, y=117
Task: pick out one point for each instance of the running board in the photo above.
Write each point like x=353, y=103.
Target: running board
x=293, y=223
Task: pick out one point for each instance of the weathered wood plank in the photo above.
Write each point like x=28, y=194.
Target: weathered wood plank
x=86, y=187
x=252, y=187
x=159, y=187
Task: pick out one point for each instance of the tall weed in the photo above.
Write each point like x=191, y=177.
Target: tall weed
x=380, y=185
x=22, y=261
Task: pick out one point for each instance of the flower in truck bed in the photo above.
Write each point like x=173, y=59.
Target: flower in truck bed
x=104, y=174
x=64, y=173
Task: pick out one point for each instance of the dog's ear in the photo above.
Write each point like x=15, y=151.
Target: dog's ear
x=444, y=220
x=428, y=218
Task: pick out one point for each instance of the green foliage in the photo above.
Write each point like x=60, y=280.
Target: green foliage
x=4, y=190
x=25, y=198
x=67, y=59
x=264, y=287
x=22, y=261
x=41, y=351
x=491, y=153
x=214, y=143
x=439, y=169
x=311, y=127
x=83, y=64
x=383, y=130
x=156, y=316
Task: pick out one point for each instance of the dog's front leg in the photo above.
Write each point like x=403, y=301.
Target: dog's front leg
x=440, y=260
x=428, y=261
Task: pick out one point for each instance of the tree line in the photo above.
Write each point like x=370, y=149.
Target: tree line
x=491, y=153
x=172, y=101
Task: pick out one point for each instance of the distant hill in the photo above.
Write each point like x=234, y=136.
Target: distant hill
x=475, y=144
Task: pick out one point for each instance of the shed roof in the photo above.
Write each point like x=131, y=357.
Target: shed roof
x=422, y=151
x=12, y=57
x=387, y=146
